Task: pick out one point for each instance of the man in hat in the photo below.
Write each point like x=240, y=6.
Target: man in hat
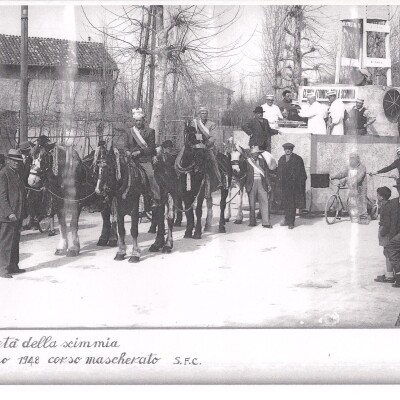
x=395, y=164
x=12, y=212
x=259, y=130
x=26, y=148
x=209, y=129
x=315, y=115
x=258, y=185
x=359, y=119
x=272, y=113
x=140, y=144
x=392, y=249
x=292, y=178
x=335, y=114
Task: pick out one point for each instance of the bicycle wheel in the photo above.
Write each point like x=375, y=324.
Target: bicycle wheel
x=332, y=208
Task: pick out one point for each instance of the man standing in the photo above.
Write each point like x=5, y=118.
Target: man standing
x=258, y=185
x=292, y=177
x=336, y=114
x=359, y=119
x=287, y=107
x=315, y=114
x=208, y=129
x=259, y=131
x=272, y=113
x=12, y=210
x=140, y=143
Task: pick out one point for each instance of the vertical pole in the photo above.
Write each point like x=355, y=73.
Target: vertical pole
x=23, y=136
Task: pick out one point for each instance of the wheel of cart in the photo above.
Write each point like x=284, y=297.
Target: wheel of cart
x=334, y=207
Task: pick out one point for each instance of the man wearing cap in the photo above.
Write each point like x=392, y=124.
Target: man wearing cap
x=292, y=178
x=360, y=118
x=140, y=144
x=259, y=130
x=12, y=212
x=258, y=185
x=315, y=114
x=336, y=114
x=395, y=164
x=272, y=113
x=208, y=129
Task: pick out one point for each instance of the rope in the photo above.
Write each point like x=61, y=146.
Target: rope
x=231, y=199
x=59, y=197
x=187, y=209
x=385, y=176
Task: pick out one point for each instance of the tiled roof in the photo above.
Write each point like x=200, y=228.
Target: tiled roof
x=56, y=52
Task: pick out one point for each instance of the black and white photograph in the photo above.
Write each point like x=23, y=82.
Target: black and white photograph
x=192, y=166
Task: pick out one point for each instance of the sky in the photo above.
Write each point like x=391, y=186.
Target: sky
x=69, y=22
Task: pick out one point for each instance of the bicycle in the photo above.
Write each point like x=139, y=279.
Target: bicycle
x=334, y=207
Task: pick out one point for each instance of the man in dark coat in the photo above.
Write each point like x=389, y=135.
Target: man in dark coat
x=12, y=212
x=259, y=131
x=258, y=186
x=292, y=178
x=393, y=247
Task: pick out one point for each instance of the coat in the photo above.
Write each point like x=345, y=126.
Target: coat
x=12, y=195
x=384, y=224
x=394, y=217
x=292, y=177
x=260, y=133
x=250, y=175
x=149, y=136
x=336, y=114
x=315, y=114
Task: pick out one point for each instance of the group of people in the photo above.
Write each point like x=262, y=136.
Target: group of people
x=321, y=120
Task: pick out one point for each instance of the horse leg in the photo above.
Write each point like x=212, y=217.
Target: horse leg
x=63, y=242
x=207, y=226
x=222, y=205
x=121, y=236
x=160, y=224
x=106, y=229
x=113, y=238
x=52, y=230
x=179, y=214
x=228, y=210
x=239, y=215
x=135, y=255
x=169, y=244
x=153, y=225
x=199, y=213
x=73, y=250
x=188, y=199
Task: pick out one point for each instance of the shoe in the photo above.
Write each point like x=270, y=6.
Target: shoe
x=5, y=275
x=283, y=224
x=252, y=224
x=397, y=281
x=18, y=271
x=384, y=279
x=267, y=226
x=291, y=226
x=397, y=284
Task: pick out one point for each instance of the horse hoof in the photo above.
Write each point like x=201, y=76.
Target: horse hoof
x=102, y=242
x=227, y=219
x=197, y=236
x=52, y=233
x=60, y=252
x=155, y=247
x=72, y=253
x=188, y=236
x=238, y=222
x=178, y=223
x=152, y=230
x=166, y=250
x=112, y=243
x=222, y=229
x=134, y=259
x=119, y=257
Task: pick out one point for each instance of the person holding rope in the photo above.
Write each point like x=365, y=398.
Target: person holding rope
x=12, y=212
x=140, y=143
x=394, y=165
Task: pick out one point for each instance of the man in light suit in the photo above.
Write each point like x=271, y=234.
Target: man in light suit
x=12, y=213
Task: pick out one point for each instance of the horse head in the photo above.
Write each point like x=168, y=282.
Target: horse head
x=42, y=162
x=106, y=168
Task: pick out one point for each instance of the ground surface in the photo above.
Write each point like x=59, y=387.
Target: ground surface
x=313, y=276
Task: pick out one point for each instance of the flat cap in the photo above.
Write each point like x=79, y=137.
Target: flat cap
x=288, y=146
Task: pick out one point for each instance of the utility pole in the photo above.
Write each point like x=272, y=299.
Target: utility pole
x=23, y=127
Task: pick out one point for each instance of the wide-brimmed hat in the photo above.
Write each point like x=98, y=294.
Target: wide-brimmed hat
x=15, y=154
x=27, y=145
x=288, y=146
x=258, y=109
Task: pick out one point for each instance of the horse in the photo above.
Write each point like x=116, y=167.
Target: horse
x=239, y=169
x=59, y=171
x=126, y=182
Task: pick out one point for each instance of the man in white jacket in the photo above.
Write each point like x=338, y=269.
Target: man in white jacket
x=336, y=115
x=272, y=112
x=315, y=114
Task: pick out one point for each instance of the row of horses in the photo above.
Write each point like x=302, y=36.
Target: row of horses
x=115, y=184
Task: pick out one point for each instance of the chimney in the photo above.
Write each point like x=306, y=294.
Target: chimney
x=89, y=39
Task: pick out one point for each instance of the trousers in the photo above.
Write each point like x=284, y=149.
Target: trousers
x=289, y=206
x=259, y=193
x=9, y=246
x=393, y=253
x=155, y=189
